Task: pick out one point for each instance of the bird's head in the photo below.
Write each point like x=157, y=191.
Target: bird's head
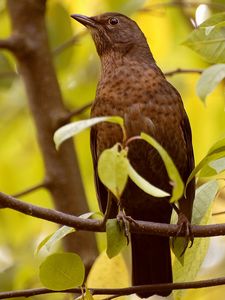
x=113, y=31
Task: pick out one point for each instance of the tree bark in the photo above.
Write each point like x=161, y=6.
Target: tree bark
x=29, y=43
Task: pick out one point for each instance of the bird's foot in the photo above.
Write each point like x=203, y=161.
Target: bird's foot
x=184, y=226
x=124, y=222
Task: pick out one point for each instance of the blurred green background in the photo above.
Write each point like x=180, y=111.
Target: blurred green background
x=77, y=67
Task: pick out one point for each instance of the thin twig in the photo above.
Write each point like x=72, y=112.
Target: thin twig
x=181, y=4
x=180, y=71
x=75, y=112
x=218, y=213
x=140, y=227
x=43, y=184
x=58, y=50
x=120, y=291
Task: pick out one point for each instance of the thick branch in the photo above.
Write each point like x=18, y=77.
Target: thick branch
x=140, y=227
x=8, y=44
x=120, y=291
x=45, y=100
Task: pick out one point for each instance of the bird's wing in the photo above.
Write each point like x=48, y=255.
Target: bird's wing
x=186, y=203
x=101, y=190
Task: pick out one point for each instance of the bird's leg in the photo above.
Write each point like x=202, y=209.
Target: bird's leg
x=124, y=221
x=184, y=226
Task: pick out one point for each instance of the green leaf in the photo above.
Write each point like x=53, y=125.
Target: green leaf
x=67, y=131
x=210, y=79
x=209, y=42
x=52, y=239
x=219, y=146
x=172, y=171
x=215, y=167
x=88, y=295
x=85, y=296
x=214, y=20
x=116, y=239
x=91, y=214
x=144, y=184
x=61, y=271
x=194, y=256
x=216, y=152
x=42, y=243
x=218, y=165
x=113, y=170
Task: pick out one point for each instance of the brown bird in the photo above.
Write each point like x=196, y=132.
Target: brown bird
x=133, y=87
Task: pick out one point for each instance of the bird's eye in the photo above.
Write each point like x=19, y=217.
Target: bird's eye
x=113, y=21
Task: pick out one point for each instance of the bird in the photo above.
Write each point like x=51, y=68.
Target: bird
x=132, y=86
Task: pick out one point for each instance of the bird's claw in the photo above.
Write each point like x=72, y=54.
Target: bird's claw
x=124, y=222
x=184, y=226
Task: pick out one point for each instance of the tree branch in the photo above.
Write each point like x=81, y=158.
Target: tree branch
x=181, y=4
x=43, y=184
x=35, y=64
x=8, y=44
x=180, y=71
x=81, y=224
x=68, y=43
x=120, y=291
x=66, y=118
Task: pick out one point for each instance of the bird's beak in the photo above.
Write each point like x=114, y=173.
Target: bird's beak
x=86, y=21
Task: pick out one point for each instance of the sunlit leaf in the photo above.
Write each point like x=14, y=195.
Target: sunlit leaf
x=172, y=171
x=214, y=20
x=216, y=152
x=91, y=214
x=218, y=165
x=111, y=273
x=88, y=295
x=51, y=240
x=143, y=184
x=219, y=146
x=202, y=13
x=213, y=168
x=116, y=239
x=113, y=170
x=85, y=295
x=210, y=79
x=43, y=243
x=67, y=131
x=61, y=271
x=209, y=42
x=194, y=256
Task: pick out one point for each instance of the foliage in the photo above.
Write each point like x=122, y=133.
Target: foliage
x=209, y=39
x=210, y=79
x=116, y=239
x=186, y=267
x=61, y=271
x=21, y=163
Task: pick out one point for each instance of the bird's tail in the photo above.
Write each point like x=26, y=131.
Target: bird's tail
x=151, y=262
